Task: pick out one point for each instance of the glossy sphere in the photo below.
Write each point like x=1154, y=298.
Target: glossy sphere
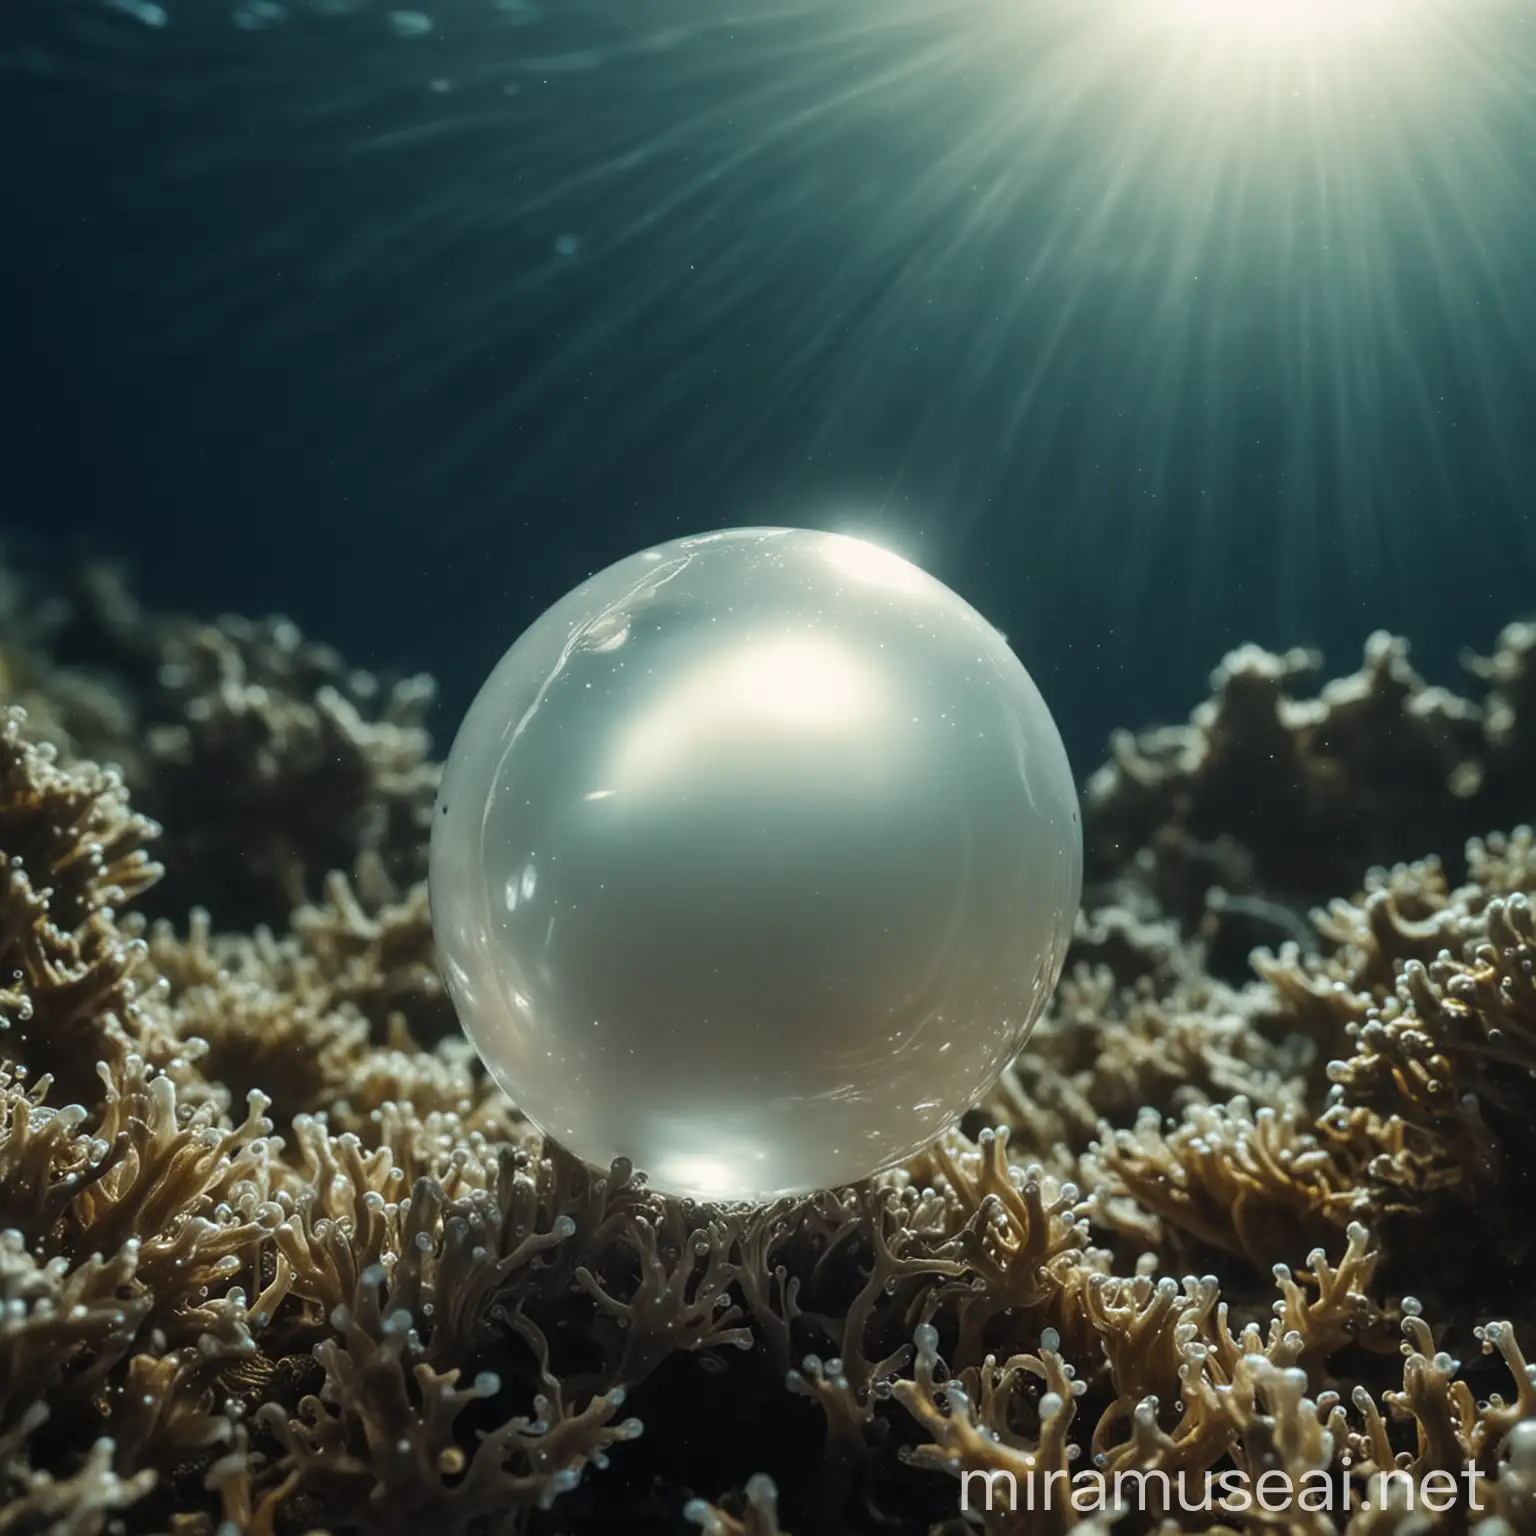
x=754, y=862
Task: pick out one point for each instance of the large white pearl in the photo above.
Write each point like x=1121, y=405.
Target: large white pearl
x=754, y=862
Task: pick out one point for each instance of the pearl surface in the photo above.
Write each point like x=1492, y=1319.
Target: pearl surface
x=754, y=861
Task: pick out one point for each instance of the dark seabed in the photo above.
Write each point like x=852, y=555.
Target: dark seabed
x=1163, y=331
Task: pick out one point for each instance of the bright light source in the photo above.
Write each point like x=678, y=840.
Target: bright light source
x=1304, y=17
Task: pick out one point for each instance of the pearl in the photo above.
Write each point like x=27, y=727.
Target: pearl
x=754, y=862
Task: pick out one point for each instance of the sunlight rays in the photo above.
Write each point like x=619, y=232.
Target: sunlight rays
x=1090, y=279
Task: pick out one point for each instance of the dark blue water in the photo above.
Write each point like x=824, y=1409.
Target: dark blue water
x=405, y=334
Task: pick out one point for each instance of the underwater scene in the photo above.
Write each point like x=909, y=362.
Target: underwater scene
x=767, y=767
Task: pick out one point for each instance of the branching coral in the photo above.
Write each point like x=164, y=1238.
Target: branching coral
x=971, y=1439
x=1108, y=1051
x=382, y=1435
x=760, y=1516
x=1291, y=796
x=78, y=1505
x=1254, y=1182
x=291, y=1016
x=270, y=760
x=1427, y=996
x=71, y=851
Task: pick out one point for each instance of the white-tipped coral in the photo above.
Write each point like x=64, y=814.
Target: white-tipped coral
x=275, y=1257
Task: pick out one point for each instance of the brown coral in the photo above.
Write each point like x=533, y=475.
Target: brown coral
x=271, y=761
x=1268, y=790
x=274, y=1257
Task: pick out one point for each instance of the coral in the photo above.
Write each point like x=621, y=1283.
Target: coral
x=1109, y=1052
x=759, y=1518
x=271, y=761
x=1447, y=1054
x=1258, y=1183
x=287, y=766
x=321, y=1018
x=71, y=851
x=1290, y=797
x=78, y=1505
x=275, y=1257
x=967, y=1416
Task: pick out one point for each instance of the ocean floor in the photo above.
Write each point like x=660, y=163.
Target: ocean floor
x=275, y=1257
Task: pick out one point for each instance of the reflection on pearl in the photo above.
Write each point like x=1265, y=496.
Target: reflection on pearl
x=754, y=862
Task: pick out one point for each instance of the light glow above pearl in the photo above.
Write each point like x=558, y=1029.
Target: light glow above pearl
x=755, y=861
x=1281, y=17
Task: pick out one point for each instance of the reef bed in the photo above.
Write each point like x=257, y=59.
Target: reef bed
x=275, y=1257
